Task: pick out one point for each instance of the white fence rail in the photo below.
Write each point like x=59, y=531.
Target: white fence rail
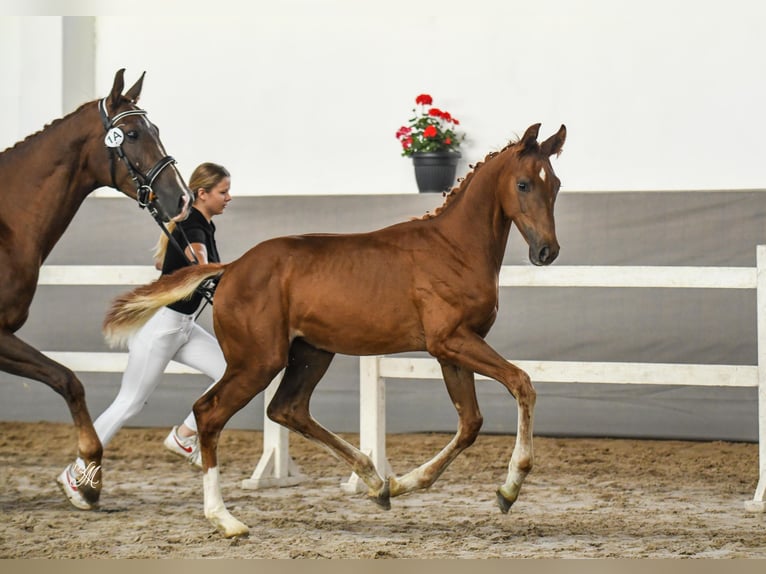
x=276, y=467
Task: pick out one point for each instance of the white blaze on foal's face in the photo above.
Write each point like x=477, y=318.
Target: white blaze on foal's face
x=542, y=173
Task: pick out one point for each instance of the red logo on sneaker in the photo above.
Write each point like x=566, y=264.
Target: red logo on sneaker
x=72, y=484
x=178, y=442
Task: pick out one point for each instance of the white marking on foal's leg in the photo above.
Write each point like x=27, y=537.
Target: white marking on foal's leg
x=215, y=509
x=510, y=489
x=427, y=473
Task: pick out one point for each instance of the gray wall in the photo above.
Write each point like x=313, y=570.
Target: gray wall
x=598, y=324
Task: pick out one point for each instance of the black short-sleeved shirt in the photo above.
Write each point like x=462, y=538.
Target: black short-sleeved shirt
x=197, y=230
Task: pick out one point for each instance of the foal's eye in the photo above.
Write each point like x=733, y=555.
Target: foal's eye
x=132, y=134
x=522, y=186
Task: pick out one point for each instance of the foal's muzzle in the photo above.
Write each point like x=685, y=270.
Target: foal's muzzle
x=543, y=254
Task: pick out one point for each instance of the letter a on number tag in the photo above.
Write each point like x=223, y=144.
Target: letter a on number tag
x=114, y=137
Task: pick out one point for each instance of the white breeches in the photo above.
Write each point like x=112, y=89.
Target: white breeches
x=167, y=336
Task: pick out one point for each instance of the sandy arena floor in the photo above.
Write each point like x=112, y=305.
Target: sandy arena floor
x=586, y=498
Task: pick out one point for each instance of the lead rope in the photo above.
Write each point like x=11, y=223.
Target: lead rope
x=207, y=287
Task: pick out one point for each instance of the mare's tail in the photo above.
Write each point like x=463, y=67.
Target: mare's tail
x=131, y=310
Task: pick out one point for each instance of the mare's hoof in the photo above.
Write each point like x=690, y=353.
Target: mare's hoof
x=383, y=498
x=503, y=502
x=90, y=494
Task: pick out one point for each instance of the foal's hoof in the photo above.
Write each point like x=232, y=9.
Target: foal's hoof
x=383, y=498
x=503, y=502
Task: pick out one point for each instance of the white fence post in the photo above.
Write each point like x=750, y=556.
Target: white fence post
x=372, y=421
x=276, y=467
x=758, y=504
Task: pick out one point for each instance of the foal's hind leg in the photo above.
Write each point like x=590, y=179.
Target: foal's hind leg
x=290, y=408
x=462, y=390
x=18, y=358
x=212, y=411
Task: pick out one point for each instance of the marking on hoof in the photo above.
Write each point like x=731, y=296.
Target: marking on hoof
x=383, y=498
x=503, y=503
x=238, y=531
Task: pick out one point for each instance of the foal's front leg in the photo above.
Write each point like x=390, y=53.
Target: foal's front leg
x=472, y=353
x=290, y=407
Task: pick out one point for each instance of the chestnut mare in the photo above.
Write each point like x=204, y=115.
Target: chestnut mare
x=45, y=179
x=429, y=284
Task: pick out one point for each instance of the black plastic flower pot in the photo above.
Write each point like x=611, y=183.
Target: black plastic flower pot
x=435, y=170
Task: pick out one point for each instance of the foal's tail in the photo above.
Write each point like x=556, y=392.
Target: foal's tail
x=131, y=310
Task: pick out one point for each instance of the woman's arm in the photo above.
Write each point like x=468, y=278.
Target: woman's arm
x=200, y=250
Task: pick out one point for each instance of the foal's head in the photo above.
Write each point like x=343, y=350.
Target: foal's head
x=527, y=189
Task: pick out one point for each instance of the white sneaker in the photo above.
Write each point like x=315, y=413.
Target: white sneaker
x=69, y=481
x=187, y=447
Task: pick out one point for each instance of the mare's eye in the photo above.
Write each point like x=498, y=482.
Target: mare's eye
x=132, y=134
x=522, y=186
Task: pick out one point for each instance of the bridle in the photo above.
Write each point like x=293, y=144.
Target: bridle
x=145, y=195
x=113, y=140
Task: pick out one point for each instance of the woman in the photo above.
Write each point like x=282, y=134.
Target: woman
x=171, y=334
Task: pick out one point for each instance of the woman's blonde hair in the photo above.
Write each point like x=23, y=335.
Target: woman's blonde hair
x=206, y=176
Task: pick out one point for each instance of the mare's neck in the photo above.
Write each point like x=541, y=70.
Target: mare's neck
x=46, y=178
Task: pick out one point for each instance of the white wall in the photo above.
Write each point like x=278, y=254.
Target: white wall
x=304, y=96
x=30, y=68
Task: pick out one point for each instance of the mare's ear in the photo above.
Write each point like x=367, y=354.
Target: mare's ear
x=135, y=92
x=116, y=93
x=555, y=143
x=529, y=139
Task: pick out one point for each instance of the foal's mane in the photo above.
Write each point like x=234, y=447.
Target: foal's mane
x=464, y=182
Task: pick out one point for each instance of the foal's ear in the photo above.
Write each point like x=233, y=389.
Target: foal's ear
x=116, y=93
x=529, y=139
x=135, y=92
x=555, y=143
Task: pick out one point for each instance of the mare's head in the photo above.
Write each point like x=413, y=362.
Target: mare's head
x=138, y=165
x=527, y=191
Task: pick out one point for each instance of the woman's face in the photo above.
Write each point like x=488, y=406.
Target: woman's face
x=214, y=201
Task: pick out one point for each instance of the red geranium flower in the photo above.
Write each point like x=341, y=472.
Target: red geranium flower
x=424, y=100
x=403, y=131
x=431, y=129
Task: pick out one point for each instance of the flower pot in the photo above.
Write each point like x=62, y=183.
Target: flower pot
x=435, y=170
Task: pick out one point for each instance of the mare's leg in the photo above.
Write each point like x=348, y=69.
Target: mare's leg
x=18, y=358
x=462, y=390
x=290, y=408
x=212, y=411
x=468, y=350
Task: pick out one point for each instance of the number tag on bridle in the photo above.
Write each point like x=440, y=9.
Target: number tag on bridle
x=114, y=137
